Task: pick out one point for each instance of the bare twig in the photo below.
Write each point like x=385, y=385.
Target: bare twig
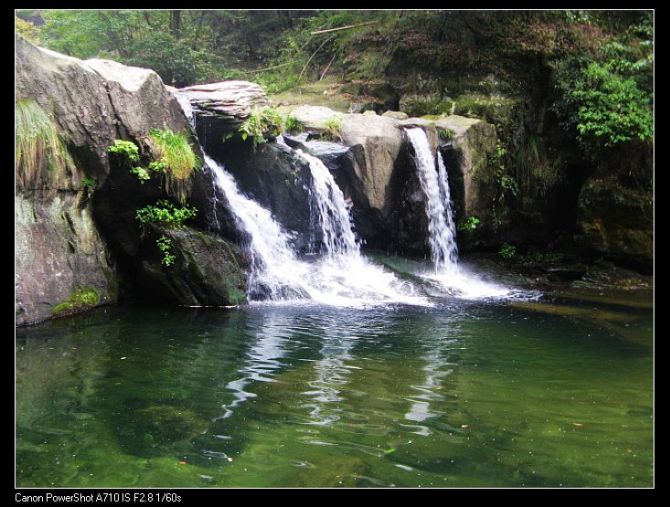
x=343, y=27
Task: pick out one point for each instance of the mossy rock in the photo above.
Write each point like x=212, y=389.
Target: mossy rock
x=80, y=300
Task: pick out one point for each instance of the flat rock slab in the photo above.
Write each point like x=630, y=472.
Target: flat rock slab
x=231, y=100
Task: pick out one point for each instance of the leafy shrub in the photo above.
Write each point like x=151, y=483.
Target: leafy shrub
x=39, y=145
x=126, y=151
x=293, y=125
x=141, y=174
x=611, y=109
x=165, y=213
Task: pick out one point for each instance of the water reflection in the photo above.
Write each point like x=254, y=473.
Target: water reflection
x=262, y=359
x=331, y=375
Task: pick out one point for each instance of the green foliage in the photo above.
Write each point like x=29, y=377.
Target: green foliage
x=165, y=213
x=606, y=98
x=164, y=244
x=127, y=151
x=158, y=166
x=81, y=299
x=140, y=173
x=261, y=125
x=507, y=182
x=610, y=108
x=507, y=251
x=469, y=224
x=89, y=182
x=174, y=153
x=293, y=125
x=40, y=145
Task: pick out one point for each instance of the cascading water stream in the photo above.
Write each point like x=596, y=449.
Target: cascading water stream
x=441, y=228
x=341, y=277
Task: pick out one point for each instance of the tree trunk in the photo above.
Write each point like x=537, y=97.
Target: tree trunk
x=175, y=23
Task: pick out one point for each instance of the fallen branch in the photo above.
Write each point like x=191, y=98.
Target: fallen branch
x=328, y=66
x=343, y=27
x=267, y=68
x=312, y=56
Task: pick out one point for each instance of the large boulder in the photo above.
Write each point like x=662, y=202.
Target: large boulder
x=207, y=270
x=616, y=222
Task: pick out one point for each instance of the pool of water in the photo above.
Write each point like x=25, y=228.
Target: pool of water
x=554, y=392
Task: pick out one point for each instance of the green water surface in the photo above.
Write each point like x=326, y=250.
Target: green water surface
x=465, y=394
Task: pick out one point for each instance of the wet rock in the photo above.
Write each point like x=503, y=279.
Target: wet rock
x=207, y=270
x=616, y=222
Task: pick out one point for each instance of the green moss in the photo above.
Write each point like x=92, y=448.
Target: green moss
x=80, y=300
x=40, y=146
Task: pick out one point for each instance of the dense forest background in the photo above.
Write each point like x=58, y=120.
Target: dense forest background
x=570, y=92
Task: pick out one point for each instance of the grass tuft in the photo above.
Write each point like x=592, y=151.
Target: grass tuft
x=174, y=150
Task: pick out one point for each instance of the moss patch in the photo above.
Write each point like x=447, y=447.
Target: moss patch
x=79, y=301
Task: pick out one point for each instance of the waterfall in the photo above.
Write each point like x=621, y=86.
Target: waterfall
x=341, y=277
x=447, y=273
x=331, y=209
x=185, y=104
x=441, y=229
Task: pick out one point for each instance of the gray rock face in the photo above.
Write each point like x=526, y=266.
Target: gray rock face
x=467, y=163
x=58, y=251
x=377, y=171
x=139, y=98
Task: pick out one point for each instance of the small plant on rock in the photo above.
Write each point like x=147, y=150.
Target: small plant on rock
x=334, y=129
x=469, y=224
x=164, y=244
x=507, y=251
x=261, y=125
